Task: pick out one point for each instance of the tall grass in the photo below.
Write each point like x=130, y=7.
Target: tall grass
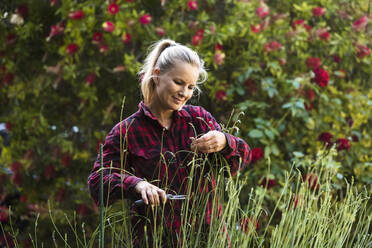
x=307, y=217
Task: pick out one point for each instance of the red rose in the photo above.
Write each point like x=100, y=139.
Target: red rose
x=257, y=154
x=325, y=137
x=336, y=58
x=196, y=40
x=126, y=38
x=360, y=24
x=10, y=39
x=90, y=79
x=76, y=15
x=268, y=183
x=72, y=48
x=343, y=144
x=160, y=31
x=256, y=28
x=221, y=95
x=108, y=26
x=4, y=215
x=113, y=8
x=50, y=172
x=145, y=19
x=219, y=58
x=193, y=5
x=218, y=47
x=248, y=224
x=16, y=167
x=296, y=23
x=8, y=78
x=66, y=158
x=200, y=32
x=97, y=38
x=310, y=95
x=8, y=126
x=17, y=179
x=313, y=62
x=263, y=10
x=318, y=11
x=22, y=10
x=309, y=106
x=272, y=46
x=323, y=34
x=362, y=51
x=311, y=180
x=321, y=77
x=103, y=48
x=56, y=30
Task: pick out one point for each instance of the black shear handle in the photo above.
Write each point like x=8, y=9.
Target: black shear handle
x=141, y=202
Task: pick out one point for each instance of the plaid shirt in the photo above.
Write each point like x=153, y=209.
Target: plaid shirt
x=158, y=155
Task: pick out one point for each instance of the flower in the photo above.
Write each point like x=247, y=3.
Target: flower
x=219, y=58
x=313, y=62
x=256, y=28
x=343, y=144
x=8, y=126
x=321, y=77
x=126, y=38
x=72, y=48
x=8, y=78
x=268, y=183
x=221, y=95
x=97, y=38
x=108, y=26
x=66, y=158
x=362, y=51
x=103, y=48
x=16, y=167
x=16, y=19
x=296, y=23
x=323, y=34
x=91, y=77
x=336, y=58
x=311, y=180
x=196, y=40
x=76, y=15
x=318, y=11
x=309, y=106
x=263, y=10
x=56, y=30
x=49, y=172
x=272, y=46
x=160, y=31
x=145, y=19
x=218, y=47
x=53, y=2
x=360, y=24
x=248, y=224
x=193, y=5
x=22, y=10
x=113, y=8
x=325, y=137
x=4, y=215
x=310, y=95
x=257, y=154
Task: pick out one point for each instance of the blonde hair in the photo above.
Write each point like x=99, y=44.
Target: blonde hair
x=164, y=54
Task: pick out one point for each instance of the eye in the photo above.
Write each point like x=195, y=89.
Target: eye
x=191, y=87
x=177, y=82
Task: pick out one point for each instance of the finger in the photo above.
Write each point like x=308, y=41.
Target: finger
x=204, y=138
x=163, y=196
x=150, y=196
x=156, y=197
x=144, y=197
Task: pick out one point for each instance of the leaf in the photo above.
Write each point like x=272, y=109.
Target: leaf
x=255, y=133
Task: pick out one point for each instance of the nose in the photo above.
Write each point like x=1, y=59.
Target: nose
x=183, y=92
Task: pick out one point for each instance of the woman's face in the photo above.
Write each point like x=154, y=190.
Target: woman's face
x=176, y=86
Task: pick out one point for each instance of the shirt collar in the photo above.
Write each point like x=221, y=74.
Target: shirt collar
x=147, y=112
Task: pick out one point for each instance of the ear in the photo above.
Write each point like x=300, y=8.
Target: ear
x=156, y=76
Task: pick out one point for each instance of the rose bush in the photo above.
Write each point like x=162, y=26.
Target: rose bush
x=299, y=71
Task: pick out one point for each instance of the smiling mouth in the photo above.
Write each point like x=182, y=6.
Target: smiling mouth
x=177, y=100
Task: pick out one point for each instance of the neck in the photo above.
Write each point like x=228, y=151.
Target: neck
x=164, y=116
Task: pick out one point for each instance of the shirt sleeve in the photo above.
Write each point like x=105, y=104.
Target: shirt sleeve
x=237, y=152
x=117, y=182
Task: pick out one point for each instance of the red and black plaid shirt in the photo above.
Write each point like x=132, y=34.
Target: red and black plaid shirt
x=151, y=152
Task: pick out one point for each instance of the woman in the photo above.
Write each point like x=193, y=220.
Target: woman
x=157, y=140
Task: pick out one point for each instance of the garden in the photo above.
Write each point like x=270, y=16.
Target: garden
x=292, y=78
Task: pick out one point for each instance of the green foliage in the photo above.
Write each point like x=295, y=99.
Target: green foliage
x=59, y=103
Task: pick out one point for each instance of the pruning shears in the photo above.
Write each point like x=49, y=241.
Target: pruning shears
x=169, y=197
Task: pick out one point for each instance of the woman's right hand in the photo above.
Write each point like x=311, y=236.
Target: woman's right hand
x=150, y=193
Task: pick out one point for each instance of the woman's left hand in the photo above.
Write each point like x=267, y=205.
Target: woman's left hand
x=213, y=141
